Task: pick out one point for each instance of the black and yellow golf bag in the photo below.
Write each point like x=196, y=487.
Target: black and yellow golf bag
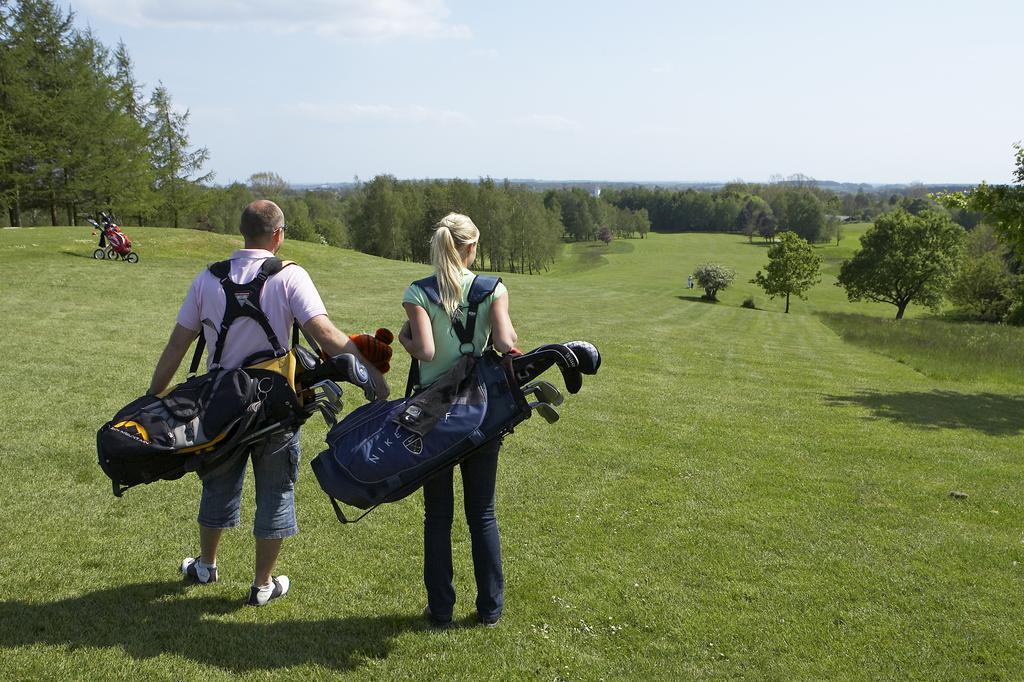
x=206, y=420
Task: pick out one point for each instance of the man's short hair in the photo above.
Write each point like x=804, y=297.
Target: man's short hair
x=260, y=219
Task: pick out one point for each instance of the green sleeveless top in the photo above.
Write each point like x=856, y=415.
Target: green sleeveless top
x=446, y=343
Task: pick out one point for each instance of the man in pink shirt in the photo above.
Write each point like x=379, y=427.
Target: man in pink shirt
x=289, y=295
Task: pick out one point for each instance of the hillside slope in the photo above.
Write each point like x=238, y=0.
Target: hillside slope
x=738, y=493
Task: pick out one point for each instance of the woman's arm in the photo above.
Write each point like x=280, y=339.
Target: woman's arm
x=503, y=334
x=416, y=336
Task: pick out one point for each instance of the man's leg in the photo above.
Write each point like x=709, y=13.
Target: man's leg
x=209, y=540
x=276, y=469
x=219, y=508
x=266, y=559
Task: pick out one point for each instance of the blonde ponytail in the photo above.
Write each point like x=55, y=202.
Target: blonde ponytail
x=453, y=235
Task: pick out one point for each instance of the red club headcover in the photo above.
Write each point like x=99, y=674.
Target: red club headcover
x=376, y=349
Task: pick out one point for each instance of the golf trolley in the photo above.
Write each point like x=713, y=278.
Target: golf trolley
x=114, y=244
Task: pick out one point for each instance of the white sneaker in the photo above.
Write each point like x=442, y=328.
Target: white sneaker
x=261, y=596
x=192, y=570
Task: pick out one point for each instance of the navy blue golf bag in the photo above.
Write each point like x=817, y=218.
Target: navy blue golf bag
x=385, y=450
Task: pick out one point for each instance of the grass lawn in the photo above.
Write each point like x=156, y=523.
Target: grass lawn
x=739, y=493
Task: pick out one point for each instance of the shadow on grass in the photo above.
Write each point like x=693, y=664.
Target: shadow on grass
x=696, y=299
x=989, y=413
x=150, y=619
x=78, y=255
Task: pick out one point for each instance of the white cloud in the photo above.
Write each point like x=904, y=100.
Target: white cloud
x=346, y=113
x=549, y=122
x=345, y=19
x=661, y=69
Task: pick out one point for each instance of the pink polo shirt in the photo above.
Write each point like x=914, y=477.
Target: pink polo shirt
x=289, y=295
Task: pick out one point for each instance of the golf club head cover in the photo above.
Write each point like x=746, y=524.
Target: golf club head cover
x=587, y=354
x=347, y=367
x=529, y=366
x=376, y=349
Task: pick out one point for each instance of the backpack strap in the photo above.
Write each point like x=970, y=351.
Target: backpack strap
x=241, y=300
x=480, y=288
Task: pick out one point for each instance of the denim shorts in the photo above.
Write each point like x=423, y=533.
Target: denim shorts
x=275, y=465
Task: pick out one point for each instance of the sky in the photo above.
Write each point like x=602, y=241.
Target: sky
x=322, y=91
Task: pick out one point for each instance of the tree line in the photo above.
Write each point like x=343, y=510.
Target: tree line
x=77, y=132
x=917, y=254
x=765, y=210
x=521, y=230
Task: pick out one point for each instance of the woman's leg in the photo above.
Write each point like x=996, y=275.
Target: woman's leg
x=438, y=511
x=479, y=472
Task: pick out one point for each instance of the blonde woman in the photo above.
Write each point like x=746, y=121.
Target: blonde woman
x=430, y=338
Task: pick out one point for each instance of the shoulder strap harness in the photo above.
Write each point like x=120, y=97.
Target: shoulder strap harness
x=241, y=300
x=481, y=287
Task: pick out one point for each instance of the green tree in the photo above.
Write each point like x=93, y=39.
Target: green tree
x=176, y=167
x=755, y=214
x=131, y=175
x=712, y=278
x=904, y=258
x=35, y=67
x=767, y=226
x=1003, y=205
x=804, y=215
x=268, y=185
x=378, y=222
x=793, y=268
x=984, y=287
x=834, y=228
x=641, y=222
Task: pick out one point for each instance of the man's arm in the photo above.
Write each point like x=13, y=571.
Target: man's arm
x=335, y=342
x=170, y=359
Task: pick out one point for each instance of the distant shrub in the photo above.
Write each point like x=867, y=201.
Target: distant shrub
x=749, y=303
x=713, y=277
x=1015, y=316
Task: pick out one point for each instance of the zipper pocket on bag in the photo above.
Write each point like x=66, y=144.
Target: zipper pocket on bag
x=335, y=433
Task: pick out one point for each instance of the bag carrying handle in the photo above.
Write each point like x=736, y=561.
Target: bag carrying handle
x=341, y=515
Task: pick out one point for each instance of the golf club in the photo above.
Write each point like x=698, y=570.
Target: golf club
x=529, y=366
x=545, y=410
x=545, y=392
x=327, y=398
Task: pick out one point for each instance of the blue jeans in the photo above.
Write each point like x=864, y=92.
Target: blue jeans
x=479, y=472
x=275, y=464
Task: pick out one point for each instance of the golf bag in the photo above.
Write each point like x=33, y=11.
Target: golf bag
x=384, y=451
x=203, y=422
x=111, y=234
